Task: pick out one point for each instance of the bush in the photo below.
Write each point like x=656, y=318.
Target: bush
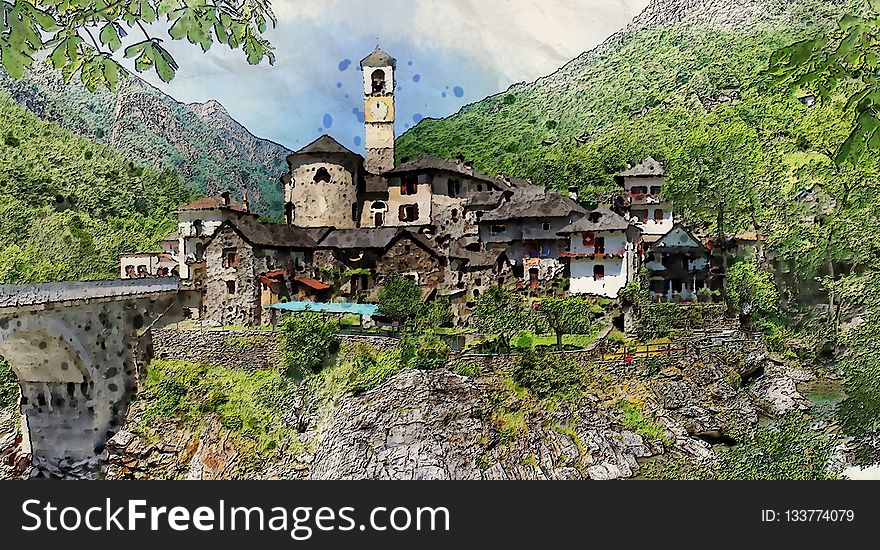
x=431, y=353
x=9, y=388
x=308, y=339
x=469, y=369
x=548, y=375
x=370, y=369
x=399, y=299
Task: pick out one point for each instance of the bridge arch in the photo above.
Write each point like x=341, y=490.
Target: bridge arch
x=77, y=350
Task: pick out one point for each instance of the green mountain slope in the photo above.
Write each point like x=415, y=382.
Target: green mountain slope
x=210, y=150
x=69, y=205
x=684, y=51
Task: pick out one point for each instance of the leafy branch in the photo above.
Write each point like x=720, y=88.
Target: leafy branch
x=67, y=29
x=840, y=62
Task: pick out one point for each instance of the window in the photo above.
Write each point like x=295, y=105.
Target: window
x=409, y=185
x=478, y=282
x=322, y=175
x=129, y=272
x=408, y=213
x=498, y=229
x=455, y=214
x=197, y=228
x=545, y=226
x=354, y=211
x=378, y=78
x=600, y=245
x=598, y=272
x=595, y=217
x=230, y=287
x=545, y=250
x=641, y=216
x=655, y=189
x=230, y=257
x=638, y=190
x=658, y=215
x=288, y=212
x=454, y=188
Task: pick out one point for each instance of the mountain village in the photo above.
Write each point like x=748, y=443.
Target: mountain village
x=353, y=222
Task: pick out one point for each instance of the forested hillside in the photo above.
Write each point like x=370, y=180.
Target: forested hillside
x=740, y=155
x=69, y=206
x=208, y=148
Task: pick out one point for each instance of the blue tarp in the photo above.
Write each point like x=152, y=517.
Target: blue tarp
x=321, y=307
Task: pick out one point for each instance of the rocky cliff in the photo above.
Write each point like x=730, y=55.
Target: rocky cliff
x=440, y=425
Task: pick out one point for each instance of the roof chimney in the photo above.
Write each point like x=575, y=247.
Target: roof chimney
x=226, y=200
x=573, y=192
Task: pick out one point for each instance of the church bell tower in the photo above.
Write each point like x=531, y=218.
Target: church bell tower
x=379, y=81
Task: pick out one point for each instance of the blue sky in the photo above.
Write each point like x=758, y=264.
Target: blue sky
x=450, y=53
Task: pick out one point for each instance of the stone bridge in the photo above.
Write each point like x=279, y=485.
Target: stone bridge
x=79, y=351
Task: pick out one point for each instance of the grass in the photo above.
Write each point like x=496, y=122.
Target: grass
x=249, y=404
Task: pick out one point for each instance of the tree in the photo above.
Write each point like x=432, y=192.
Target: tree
x=567, y=316
x=434, y=314
x=82, y=36
x=399, y=299
x=500, y=314
x=308, y=339
x=751, y=291
x=841, y=61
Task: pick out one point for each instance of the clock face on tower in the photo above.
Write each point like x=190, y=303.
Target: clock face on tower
x=379, y=109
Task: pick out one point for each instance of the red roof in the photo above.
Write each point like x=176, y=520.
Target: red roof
x=312, y=283
x=277, y=273
x=212, y=203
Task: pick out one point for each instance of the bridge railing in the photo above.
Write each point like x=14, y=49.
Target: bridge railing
x=17, y=296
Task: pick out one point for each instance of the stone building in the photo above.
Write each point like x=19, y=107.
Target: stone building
x=528, y=222
x=678, y=264
x=602, y=253
x=321, y=189
x=196, y=224
x=643, y=186
x=249, y=265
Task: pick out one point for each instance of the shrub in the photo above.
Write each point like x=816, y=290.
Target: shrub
x=9, y=388
x=372, y=369
x=308, y=339
x=469, y=369
x=548, y=375
x=431, y=353
x=399, y=299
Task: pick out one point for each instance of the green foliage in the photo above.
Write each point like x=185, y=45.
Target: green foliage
x=549, y=375
x=568, y=316
x=434, y=314
x=68, y=30
x=840, y=61
x=308, y=340
x=469, y=369
x=69, y=207
x=9, y=388
x=249, y=404
x=660, y=320
x=635, y=420
x=787, y=449
x=430, y=353
x=399, y=299
x=751, y=291
x=369, y=369
x=501, y=314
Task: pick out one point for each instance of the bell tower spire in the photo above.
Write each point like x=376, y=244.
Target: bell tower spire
x=379, y=82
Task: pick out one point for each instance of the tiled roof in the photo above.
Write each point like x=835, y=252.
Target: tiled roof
x=647, y=168
x=271, y=235
x=427, y=162
x=600, y=219
x=212, y=203
x=525, y=204
x=312, y=283
x=325, y=145
x=378, y=58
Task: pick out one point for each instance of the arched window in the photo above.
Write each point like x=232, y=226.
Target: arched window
x=378, y=79
x=322, y=175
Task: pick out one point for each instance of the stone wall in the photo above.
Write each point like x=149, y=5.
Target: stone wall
x=247, y=350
